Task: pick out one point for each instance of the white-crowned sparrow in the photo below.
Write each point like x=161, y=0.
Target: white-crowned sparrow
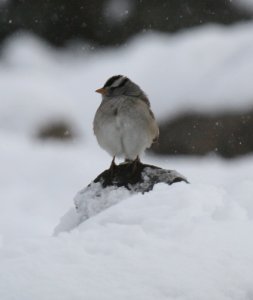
x=124, y=124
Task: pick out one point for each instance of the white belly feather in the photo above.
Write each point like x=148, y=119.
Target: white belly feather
x=124, y=130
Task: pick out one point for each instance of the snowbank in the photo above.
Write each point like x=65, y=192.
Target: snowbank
x=183, y=241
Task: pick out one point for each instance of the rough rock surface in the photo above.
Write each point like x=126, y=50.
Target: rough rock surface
x=140, y=179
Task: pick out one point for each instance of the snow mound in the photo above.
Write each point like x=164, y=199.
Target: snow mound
x=89, y=202
x=181, y=241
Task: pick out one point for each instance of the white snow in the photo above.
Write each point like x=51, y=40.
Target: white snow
x=177, y=242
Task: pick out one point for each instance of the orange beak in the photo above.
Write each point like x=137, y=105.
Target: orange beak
x=101, y=91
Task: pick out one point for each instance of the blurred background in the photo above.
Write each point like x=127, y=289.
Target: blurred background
x=193, y=58
x=113, y=22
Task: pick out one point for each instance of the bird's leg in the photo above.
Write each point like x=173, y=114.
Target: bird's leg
x=136, y=164
x=112, y=166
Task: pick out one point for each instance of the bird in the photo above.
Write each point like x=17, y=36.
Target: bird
x=124, y=123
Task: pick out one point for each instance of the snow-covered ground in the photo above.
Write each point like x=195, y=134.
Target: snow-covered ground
x=176, y=242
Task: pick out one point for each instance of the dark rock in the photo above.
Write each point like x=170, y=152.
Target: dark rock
x=56, y=130
x=140, y=178
x=227, y=134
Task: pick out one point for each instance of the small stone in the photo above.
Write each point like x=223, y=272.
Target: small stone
x=56, y=130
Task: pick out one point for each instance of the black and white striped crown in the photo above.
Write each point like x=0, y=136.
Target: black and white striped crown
x=116, y=81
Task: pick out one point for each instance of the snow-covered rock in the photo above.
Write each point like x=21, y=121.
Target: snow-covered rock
x=111, y=188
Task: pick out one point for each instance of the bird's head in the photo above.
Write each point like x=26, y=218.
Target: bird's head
x=120, y=85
